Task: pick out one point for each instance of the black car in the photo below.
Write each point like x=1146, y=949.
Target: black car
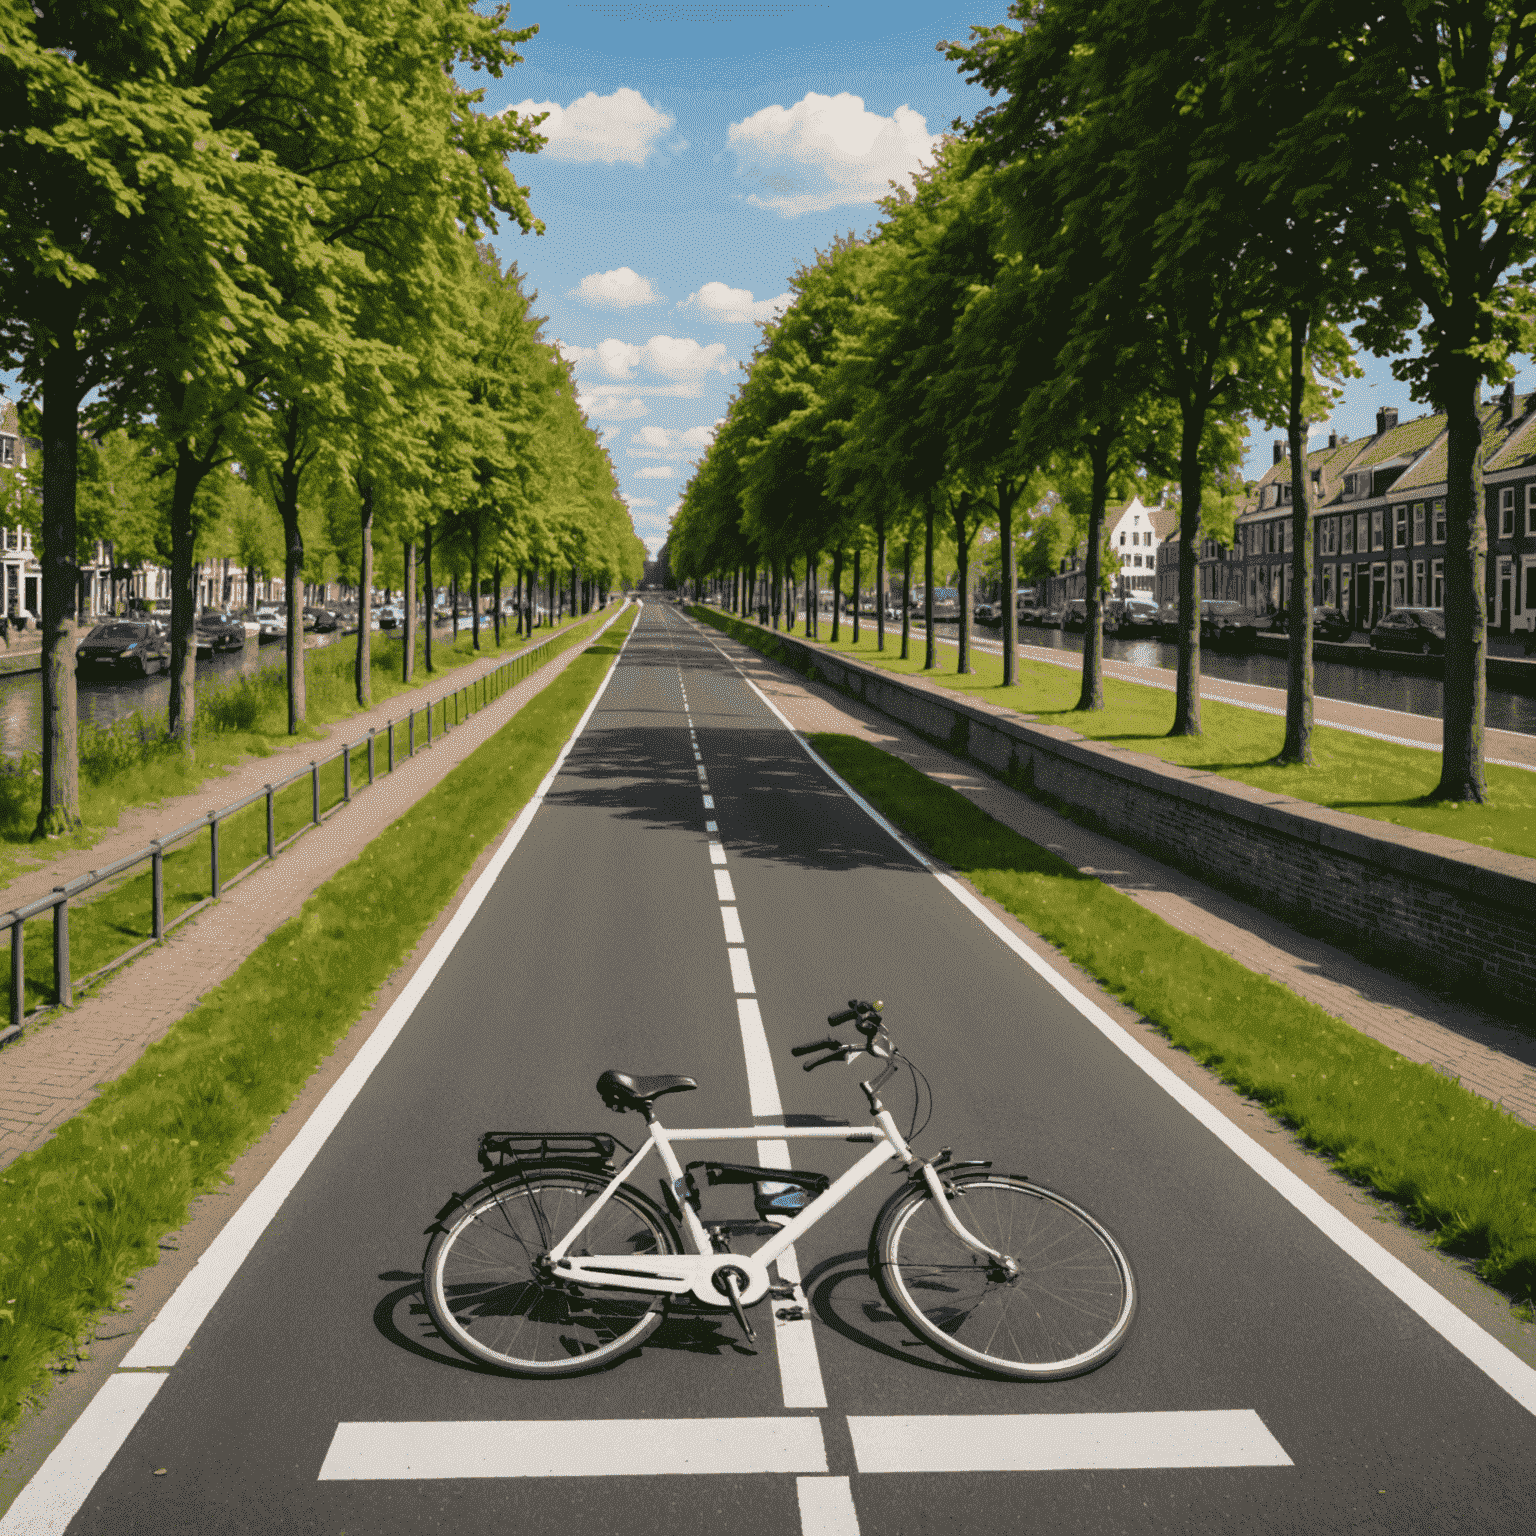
x=1327, y=623
x=1419, y=631
x=1166, y=623
x=1223, y=622
x=132, y=646
x=1075, y=615
x=320, y=620
x=218, y=632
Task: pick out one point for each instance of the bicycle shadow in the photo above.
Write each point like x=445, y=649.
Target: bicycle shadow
x=844, y=1296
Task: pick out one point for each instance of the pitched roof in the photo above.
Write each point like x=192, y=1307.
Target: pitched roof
x=1512, y=444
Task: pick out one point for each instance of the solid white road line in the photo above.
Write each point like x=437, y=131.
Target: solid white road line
x=762, y=1085
x=826, y=1507
x=63, y=1483
x=164, y=1340
x=794, y=1338
x=1064, y=1442
x=723, y=889
x=709, y=802
x=731, y=917
x=1478, y=1346
x=741, y=971
x=573, y=1448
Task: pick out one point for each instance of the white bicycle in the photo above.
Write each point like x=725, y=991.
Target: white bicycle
x=555, y=1264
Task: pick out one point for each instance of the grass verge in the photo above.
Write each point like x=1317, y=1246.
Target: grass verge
x=109, y=925
x=132, y=763
x=82, y=1213
x=1357, y=774
x=1459, y=1167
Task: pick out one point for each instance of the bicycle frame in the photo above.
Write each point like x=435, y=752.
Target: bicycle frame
x=678, y=1274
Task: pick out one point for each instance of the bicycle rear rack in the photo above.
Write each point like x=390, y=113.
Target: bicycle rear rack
x=517, y=1149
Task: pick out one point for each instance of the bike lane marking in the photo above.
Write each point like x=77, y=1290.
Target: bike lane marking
x=1475, y=1344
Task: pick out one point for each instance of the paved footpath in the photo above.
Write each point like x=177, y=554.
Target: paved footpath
x=1485, y=1054
x=57, y=1068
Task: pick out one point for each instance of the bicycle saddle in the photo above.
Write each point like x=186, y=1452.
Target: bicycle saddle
x=621, y=1091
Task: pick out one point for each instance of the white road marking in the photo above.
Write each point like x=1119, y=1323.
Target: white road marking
x=709, y=802
x=716, y=852
x=396, y=1452
x=731, y=917
x=723, y=888
x=1064, y=1442
x=62, y=1484
x=762, y=1086
x=795, y=1339
x=711, y=826
x=164, y=1340
x=741, y=971
x=1499, y=1364
x=701, y=773
x=826, y=1507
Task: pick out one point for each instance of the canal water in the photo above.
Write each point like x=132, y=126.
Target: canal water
x=105, y=700
x=1410, y=692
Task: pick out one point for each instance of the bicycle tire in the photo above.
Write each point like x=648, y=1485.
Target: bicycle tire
x=484, y=1291
x=1066, y=1312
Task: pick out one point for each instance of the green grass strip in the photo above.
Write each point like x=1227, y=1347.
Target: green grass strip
x=1358, y=774
x=107, y=926
x=83, y=1212
x=1458, y=1166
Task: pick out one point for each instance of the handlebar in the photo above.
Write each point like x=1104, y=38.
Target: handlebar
x=868, y=1014
x=842, y=1053
x=815, y=1045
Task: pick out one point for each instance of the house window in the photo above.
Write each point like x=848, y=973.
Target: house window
x=1507, y=511
x=1363, y=533
x=1347, y=525
x=1437, y=596
x=1399, y=583
x=1530, y=510
x=1290, y=534
x=1440, y=525
x=1379, y=528
x=1330, y=583
x=7, y=451
x=1400, y=520
x=1418, y=523
x=1419, y=593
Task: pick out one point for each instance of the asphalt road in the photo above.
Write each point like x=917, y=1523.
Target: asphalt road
x=602, y=945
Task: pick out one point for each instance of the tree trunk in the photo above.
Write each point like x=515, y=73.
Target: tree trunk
x=474, y=594
x=408, y=663
x=60, y=808
x=575, y=580
x=431, y=595
x=958, y=510
x=496, y=602
x=1091, y=695
x=362, y=663
x=857, y=560
x=453, y=604
x=286, y=485
x=880, y=582
x=906, y=599
x=1298, y=682
x=182, y=705
x=776, y=592
x=1186, y=709
x=930, y=645
x=1007, y=495
x=1466, y=598
x=837, y=595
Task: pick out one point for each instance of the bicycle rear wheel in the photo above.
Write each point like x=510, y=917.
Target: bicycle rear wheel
x=487, y=1293
x=1068, y=1308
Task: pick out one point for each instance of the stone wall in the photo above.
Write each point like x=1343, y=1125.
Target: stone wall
x=1426, y=905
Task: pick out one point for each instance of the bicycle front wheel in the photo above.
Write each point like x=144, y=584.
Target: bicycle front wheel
x=1067, y=1309
x=492, y=1300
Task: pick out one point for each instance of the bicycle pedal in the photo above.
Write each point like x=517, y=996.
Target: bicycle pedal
x=790, y=1314
x=782, y=1292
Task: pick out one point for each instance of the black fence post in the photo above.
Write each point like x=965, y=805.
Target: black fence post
x=157, y=901
x=346, y=773
x=412, y=733
x=371, y=734
x=271, y=826
x=18, y=971
x=213, y=851
x=314, y=793
x=62, y=992
x=429, y=722
x=391, y=746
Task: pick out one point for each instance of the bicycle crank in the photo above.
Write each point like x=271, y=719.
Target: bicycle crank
x=731, y=1282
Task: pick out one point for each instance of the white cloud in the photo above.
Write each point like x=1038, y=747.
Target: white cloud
x=655, y=472
x=639, y=501
x=621, y=127
x=623, y=288
x=661, y=443
x=735, y=306
x=826, y=151
x=610, y=407
x=674, y=357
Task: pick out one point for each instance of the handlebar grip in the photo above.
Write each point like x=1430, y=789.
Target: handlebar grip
x=834, y=1019
x=811, y=1066
x=813, y=1045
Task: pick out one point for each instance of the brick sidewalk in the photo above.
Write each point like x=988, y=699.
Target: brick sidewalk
x=56, y=1069
x=1484, y=1054
x=139, y=825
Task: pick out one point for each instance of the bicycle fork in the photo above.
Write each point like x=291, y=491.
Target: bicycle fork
x=947, y=1213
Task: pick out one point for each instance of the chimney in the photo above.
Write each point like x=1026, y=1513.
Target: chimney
x=1507, y=402
x=1386, y=419
x=1279, y=449
x=1333, y=439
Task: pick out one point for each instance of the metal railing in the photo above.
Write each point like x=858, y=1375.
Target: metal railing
x=399, y=739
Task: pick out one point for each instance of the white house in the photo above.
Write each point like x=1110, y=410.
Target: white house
x=1134, y=532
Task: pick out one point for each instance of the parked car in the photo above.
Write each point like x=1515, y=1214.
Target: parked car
x=1032, y=612
x=1167, y=623
x=320, y=620
x=1327, y=623
x=272, y=621
x=1223, y=622
x=1075, y=615
x=132, y=646
x=1050, y=615
x=987, y=613
x=1135, y=615
x=218, y=632
x=1420, y=631
x=390, y=617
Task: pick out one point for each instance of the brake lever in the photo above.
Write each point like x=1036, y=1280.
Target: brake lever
x=842, y=1053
